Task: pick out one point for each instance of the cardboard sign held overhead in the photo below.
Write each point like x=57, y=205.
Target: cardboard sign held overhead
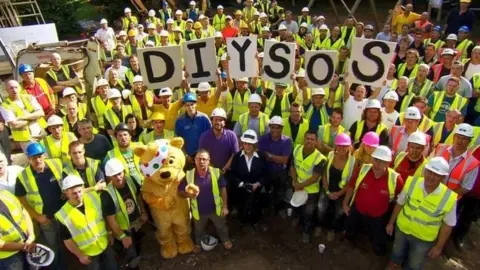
x=242, y=52
x=161, y=66
x=199, y=56
x=320, y=67
x=278, y=61
x=370, y=61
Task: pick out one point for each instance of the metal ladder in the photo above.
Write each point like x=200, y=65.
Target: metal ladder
x=11, y=17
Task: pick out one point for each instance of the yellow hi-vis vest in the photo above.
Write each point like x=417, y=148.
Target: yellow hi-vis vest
x=406, y=101
x=302, y=19
x=425, y=90
x=193, y=35
x=285, y=105
x=88, y=229
x=214, y=175
x=148, y=137
x=116, y=153
x=437, y=134
x=112, y=117
x=66, y=73
x=126, y=21
x=99, y=107
x=324, y=132
x=238, y=105
x=476, y=88
x=91, y=168
x=52, y=98
x=304, y=167
x=392, y=181
x=403, y=67
x=302, y=129
x=22, y=134
x=137, y=110
x=343, y=33
x=58, y=152
x=8, y=231
x=422, y=216
x=219, y=22
x=323, y=113
x=360, y=124
x=462, y=48
x=438, y=44
x=338, y=98
x=29, y=182
x=439, y=96
x=346, y=172
x=121, y=214
x=399, y=158
x=263, y=122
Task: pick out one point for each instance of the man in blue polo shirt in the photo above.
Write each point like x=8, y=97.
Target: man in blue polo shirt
x=191, y=126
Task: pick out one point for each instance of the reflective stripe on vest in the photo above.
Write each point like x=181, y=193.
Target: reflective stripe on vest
x=302, y=129
x=304, y=167
x=121, y=214
x=116, y=153
x=88, y=230
x=30, y=183
x=307, y=20
x=421, y=216
x=476, y=88
x=22, y=134
x=91, y=168
x=100, y=107
x=426, y=87
x=347, y=170
x=439, y=96
x=324, y=133
x=322, y=111
x=54, y=151
x=403, y=66
x=136, y=108
x=262, y=122
x=285, y=105
x=148, y=137
x=8, y=231
x=214, y=175
x=458, y=172
x=360, y=124
x=219, y=22
x=66, y=73
x=437, y=134
x=112, y=117
x=462, y=48
x=401, y=156
x=392, y=181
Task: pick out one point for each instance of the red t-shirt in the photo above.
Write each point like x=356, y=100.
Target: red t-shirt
x=372, y=197
x=229, y=32
x=42, y=99
x=408, y=168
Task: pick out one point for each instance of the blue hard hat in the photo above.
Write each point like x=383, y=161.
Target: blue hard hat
x=464, y=29
x=437, y=28
x=189, y=97
x=24, y=68
x=35, y=149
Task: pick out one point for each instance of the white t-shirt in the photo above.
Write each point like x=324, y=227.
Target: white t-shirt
x=107, y=36
x=9, y=116
x=9, y=183
x=352, y=111
x=121, y=72
x=472, y=69
x=389, y=119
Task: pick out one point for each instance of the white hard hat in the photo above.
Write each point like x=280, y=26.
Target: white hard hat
x=256, y=13
x=255, y=98
x=103, y=21
x=301, y=74
x=164, y=33
x=383, y=153
x=113, y=167
x=223, y=57
x=166, y=91
x=151, y=13
x=71, y=180
x=299, y=198
x=170, y=21
x=218, y=34
x=126, y=93
x=249, y=136
x=126, y=10
x=260, y=55
x=263, y=15
x=137, y=79
x=318, y=91
x=266, y=28
x=201, y=17
x=323, y=27
x=412, y=113
x=68, y=91
x=448, y=51
x=179, y=12
x=102, y=82
x=192, y=3
x=208, y=242
x=305, y=9
x=282, y=27
x=203, y=87
x=418, y=138
x=373, y=104
x=276, y=120
x=219, y=7
x=242, y=79
x=151, y=26
x=113, y=93
x=219, y=112
x=452, y=37
x=229, y=17
x=304, y=24
x=122, y=33
x=464, y=130
x=150, y=43
x=321, y=17
x=391, y=95
x=54, y=120
x=438, y=165
x=177, y=29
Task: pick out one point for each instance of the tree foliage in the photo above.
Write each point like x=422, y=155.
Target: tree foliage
x=62, y=13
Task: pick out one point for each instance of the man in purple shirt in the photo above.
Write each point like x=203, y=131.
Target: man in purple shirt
x=206, y=189
x=221, y=143
x=277, y=149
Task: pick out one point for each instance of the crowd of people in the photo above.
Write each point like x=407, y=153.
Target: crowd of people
x=401, y=159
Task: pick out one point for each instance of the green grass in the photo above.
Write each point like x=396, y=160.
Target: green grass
x=87, y=11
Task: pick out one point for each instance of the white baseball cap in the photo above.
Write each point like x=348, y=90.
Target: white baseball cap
x=276, y=120
x=412, y=113
x=137, y=79
x=318, y=91
x=54, y=120
x=438, y=165
x=464, y=130
x=71, y=180
x=391, y=95
x=418, y=137
x=113, y=93
x=249, y=136
x=203, y=87
x=373, y=104
x=166, y=91
x=69, y=91
x=382, y=152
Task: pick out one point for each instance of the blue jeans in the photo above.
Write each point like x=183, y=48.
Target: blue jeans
x=50, y=234
x=409, y=249
x=106, y=260
x=14, y=262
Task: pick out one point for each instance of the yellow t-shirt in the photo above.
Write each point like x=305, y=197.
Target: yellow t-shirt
x=207, y=107
x=400, y=19
x=171, y=114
